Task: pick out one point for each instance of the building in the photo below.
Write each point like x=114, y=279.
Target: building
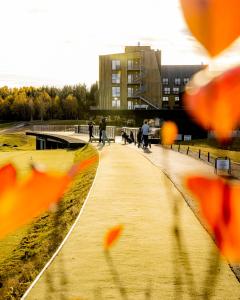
x=136, y=79
x=130, y=80
x=174, y=79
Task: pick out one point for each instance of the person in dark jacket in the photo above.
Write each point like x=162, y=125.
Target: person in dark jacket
x=90, y=131
x=139, y=136
x=132, y=136
x=100, y=132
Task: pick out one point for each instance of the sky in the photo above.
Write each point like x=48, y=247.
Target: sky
x=58, y=42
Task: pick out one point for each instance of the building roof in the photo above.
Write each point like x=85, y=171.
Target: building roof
x=181, y=71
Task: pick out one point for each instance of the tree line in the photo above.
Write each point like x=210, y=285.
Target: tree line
x=45, y=103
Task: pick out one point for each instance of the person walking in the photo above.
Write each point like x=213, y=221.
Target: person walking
x=139, y=136
x=100, y=132
x=104, y=134
x=90, y=131
x=145, y=133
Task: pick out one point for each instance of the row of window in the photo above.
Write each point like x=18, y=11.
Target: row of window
x=116, y=91
x=116, y=78
x=177, y=81
x=117, y=104
x=167, y=90
x=131, y=63
x=166, y=99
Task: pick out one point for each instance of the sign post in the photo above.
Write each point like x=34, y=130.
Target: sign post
x=223, y=164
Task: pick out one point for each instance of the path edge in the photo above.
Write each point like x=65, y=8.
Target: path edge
x=47, y=265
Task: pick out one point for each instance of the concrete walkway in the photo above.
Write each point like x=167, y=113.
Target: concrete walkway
x=130, y=190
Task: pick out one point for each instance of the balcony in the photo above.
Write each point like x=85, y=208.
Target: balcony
x=135, y=93
x=134, y=79
x=134, y=67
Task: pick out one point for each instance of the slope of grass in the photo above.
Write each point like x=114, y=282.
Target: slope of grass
x=215, y=149
x=4, y=125
x=16, y=141
x=29, y=248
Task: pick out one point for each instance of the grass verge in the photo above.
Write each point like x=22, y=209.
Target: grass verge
x=41, y=238
x=214, y=148
x=16, y=141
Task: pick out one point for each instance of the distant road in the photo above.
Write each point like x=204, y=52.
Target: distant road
x=15, y=127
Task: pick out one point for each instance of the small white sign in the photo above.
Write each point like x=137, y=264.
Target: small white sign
x=187, y=137
x=179, y=137
x=223, y=164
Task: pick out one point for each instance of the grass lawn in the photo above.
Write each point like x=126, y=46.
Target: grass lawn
x=16, y=141
x=24, y=253
x=214, y=148
x=6, y=125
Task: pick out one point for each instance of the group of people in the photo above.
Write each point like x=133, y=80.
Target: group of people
x=102, y=132
x=142, y=136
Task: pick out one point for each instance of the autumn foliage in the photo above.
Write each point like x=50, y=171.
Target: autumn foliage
x=220, y=207
x=169, y=132
x=20, y=202
x=214, y=23
x=112, y=236
x=215, y=106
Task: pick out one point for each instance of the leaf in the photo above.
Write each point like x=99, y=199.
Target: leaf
x=214, y=23
x=169, y=132
x=8, y=178
x=20, y=202
x=220, y=207
x=215, y=105
x=112, y=235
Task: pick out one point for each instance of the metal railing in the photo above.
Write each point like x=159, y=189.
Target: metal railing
x=84, y=129
x=205, y=156
x=44, y=128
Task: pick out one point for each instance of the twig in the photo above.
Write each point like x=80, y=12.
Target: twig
x=212, y=274
x=115, y=275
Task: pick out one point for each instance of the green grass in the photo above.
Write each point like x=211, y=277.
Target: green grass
x=5, y=125
x=25, y=252
x=58, y=122
x=16, y=141
x=214, y=148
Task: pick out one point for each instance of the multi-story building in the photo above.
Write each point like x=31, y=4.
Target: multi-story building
x=136, y=79
x=130, y=80
x=174, y=79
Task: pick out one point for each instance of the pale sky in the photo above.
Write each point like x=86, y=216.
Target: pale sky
x=57, y=42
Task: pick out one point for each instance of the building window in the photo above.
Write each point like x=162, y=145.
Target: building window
x=115, y=64
x=177, y=81
x=116, y=78
x=175, y=90
x=165, y=105
x=130, y=78
x=130, y=92
x=116, y=102
x=166, y=90
x=185, y=80
x=165, y=99
x=133, y=64
x=177, y=99
x=116, y=91
x=165, y=81
x=130, y=104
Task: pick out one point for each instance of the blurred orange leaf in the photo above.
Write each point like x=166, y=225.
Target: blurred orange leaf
x=215, y=106
x=214, y=23
x=112, y=235
x=169, y=132
x=20, y=202
x=220, y=207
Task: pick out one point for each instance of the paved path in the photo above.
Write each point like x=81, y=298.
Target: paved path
x=130, y=190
